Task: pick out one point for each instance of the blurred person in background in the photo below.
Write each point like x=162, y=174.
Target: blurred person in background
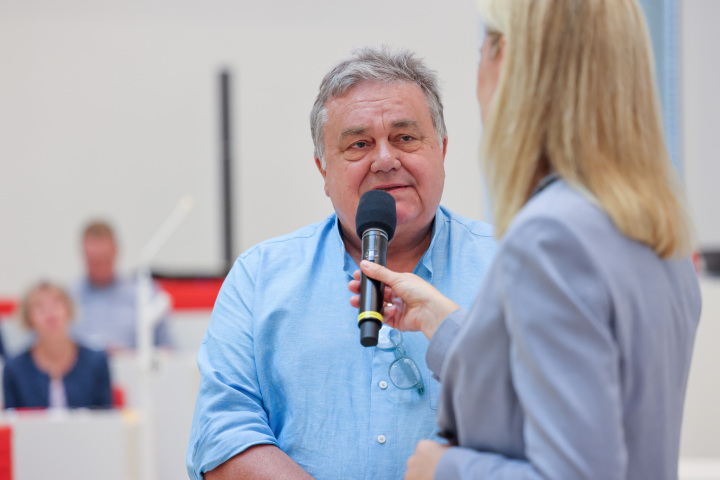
x=108, y=302
x=574, y=359
x=56, y=371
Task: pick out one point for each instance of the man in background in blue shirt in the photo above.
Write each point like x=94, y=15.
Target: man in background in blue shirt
x=107, y=318
x=287, y=391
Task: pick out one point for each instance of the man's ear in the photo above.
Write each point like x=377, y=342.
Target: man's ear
x=322, y=171
x=444, y=146
x=320, y=168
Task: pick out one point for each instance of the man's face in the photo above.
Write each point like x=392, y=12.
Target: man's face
x=381, y=136
x=100, y=254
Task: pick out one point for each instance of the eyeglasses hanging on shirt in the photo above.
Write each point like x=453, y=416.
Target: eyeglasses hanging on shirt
x=404, y=372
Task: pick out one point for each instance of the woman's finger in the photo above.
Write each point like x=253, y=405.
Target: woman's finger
x=388, y=295
x=355, y=301
x=378, y=272
x=390, y=315
x=354, y=286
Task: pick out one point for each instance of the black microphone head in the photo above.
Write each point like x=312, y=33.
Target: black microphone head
x=376, y=210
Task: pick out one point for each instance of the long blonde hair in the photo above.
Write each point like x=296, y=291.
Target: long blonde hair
x=577, y=96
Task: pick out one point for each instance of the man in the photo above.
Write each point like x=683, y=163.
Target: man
x=287, y=391
x=108, y=303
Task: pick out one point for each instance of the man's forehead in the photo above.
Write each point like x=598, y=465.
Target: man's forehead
x=98, y=244
x=370, y=90
x=401, y=104
x=96, y=239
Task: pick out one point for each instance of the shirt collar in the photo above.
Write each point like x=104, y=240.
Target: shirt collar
x=349, y=265
x=424, y=267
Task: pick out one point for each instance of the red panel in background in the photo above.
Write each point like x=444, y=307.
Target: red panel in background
x=8, y=306
x=186, y=294
x=118, y=397
x=6, y=467
x=191, y=293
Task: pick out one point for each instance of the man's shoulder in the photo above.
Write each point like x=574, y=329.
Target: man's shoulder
x=78, y=287
x=122, y=285
x=293, y=243
x=464, y=225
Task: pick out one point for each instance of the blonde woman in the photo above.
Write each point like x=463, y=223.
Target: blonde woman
x=573, y=361
x=56, y=371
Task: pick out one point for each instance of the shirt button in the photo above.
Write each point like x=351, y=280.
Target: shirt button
x=383, y=384
x=381, y=438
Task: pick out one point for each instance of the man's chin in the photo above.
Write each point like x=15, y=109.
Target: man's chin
x=409, y=223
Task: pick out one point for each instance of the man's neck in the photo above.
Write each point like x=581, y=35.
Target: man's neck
x=404, y=250
x=99, y=284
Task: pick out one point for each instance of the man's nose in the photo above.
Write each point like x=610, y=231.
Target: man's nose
x=385, y=158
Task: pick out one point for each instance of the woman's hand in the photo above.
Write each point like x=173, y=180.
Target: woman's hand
x=422, y=465
x=413, y=304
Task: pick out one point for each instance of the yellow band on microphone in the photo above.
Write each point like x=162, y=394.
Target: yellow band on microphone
x=370, y=314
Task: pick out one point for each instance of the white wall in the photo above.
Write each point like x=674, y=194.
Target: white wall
x=701, y=115
x=701, y=420
x=701, y=125
x=110, y=109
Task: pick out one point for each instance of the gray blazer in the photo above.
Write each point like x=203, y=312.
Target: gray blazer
x=573, y=361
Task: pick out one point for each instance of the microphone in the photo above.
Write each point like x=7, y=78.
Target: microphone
x=375, y=224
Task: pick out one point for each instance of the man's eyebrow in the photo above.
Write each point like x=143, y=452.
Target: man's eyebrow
x=404, y=123
x=352, y=131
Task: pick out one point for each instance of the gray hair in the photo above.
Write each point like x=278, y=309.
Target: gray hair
x=377, y=65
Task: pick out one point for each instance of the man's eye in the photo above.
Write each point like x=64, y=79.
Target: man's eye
x=359, y=145
x=406, y=138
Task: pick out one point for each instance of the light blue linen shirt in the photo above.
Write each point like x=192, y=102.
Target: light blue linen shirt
x=281, y=362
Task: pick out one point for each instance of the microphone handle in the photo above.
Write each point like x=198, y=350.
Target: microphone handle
x=370, y=319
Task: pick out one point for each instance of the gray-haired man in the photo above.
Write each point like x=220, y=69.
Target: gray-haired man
x=287, y=391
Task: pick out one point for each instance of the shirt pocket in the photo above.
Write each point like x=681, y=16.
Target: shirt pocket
x=410, y=397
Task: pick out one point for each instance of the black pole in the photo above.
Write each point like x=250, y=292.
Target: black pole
x=226, y=178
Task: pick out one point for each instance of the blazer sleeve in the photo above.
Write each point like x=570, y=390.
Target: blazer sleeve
x=442, y=340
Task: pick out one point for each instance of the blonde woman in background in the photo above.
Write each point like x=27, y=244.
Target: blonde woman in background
x=573, y=361
x=56, y=371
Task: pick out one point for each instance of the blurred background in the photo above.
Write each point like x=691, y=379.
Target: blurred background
x=112, y=110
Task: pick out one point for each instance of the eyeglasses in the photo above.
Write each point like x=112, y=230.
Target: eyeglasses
x=404, y=372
